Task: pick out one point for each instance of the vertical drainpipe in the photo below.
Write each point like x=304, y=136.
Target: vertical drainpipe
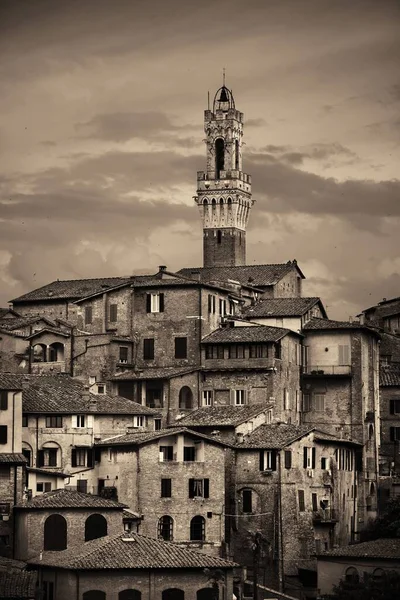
x=281, y=569
x=199, y=347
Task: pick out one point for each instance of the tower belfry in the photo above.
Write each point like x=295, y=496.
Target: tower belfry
x=223, y=190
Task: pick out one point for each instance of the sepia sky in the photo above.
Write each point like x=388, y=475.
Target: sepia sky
x=101, y=135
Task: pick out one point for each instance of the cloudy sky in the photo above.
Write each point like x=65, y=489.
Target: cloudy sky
x=101, y=135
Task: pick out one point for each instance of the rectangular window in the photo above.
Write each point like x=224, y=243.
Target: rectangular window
x=155, y=302
x=101, y=389
x=319, y=402
x=394, y=407
x=222, y=307
x=24, y=420
x=88, y=315
x=113, y=313
x=81, y=454
x=181, y=347
x=247, y=501
x=3, y=434
x=236, y=351
x=344, y=355
x=81, y=421
x=314, y=500
x=123, y=354
x=302, y=504
x=211, y=304
x=207, y=397
x=306, y=402
x=189, y=454
x=166, y=488
x=214, y=352
x=166, y=453
x=240, y=397
x=324, y=463
x=81, y=485
x=288, y=459
x=54, y=421
x=157, y=424
x=43, y=487
x=308, y=458
x=148, y=349
x=258, y=351
x=139, y=421
x=285, y=399
x=199, y=488
x=267, y=460
x=3, y=400
x=394, y=434
x=49, y=457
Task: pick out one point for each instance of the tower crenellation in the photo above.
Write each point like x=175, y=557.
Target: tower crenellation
x=223, y=190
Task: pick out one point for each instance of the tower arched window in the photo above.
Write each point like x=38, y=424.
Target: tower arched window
x=219, y=155
x=95, y=527
x=219, y=236
x=198, y=528
x=55, y=533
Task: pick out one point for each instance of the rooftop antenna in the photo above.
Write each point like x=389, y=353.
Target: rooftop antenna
x=208, y=100
x=223, y=76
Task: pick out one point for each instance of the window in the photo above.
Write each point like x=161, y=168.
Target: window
x=54, y=421
x=48, y=590
x=185, y=397
x=173, y=594
x=394, y=407
x=285, y=399
x=165, y=528
x=314, y=501
x=24, y=420
x=81, y=485
x=88, y=315
x=43, y=486
x=28, y=455
x=394, y=434
x=239, y=397
x=123, y=354
x=344, y=355
x=166, y=453
x=319, y=402
x=351, y=575
x=247, y=498
x=55, y=533
x=199, y=488
x=101, y=389
x=214, y=352
x=211, y=303
x=288, y=459
x=81, y=421
x=180, y=347
x=258, y=351
x=166, y=488
x=267, y=460
x=236, y=351
x=219, y=156
x=82, y=457
x=198, y=529
x=155, y=303
x=378, y=576
x=189, y=454
x=157, y=424
x=138, y=421
x=148, y=349
x=47, y=457
x=95, y=527
x=222, y=307
x=309, y=458
x=207, y=397
x=324, y=463
x=306, y=402
x=219, y=236
x=113, y=313
x=302, y=504
x=3, y=400
x=130, y=595
x=3, y=434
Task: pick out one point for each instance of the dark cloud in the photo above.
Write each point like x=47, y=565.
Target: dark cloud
x=256, y=123
x=120, y=127
x=320, y=151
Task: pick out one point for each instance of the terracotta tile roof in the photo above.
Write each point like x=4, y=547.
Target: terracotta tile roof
x=282, y=307
x=44, y=471
x=142, y=437
x=14, y=458
x=17, y=584
x=273, y=436
x=389, y=375
x=317, y=324
x=130, y=551
x=382, y=548
x=253, y=333
x=153, y=373
x=20, y=322
x=62, y=394
x=72, y=289
x=221, y=416
x=254, y=275
x=69, y=499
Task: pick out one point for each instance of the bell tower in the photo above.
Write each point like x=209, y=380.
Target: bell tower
x=223, y=190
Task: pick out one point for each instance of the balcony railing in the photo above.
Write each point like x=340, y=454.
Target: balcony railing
x=320, y=370
x=325, y=515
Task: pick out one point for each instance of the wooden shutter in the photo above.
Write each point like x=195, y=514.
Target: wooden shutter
x=3, y=400
x=73, y=457
x=97, y=455
x=261, y=460
x=148, y=303
x=392, y=434
x=206, y=488
x=209, y=303
x=273, y=460
x=314, y=499
x=113, y=313
x=90, y=458
x=302, y=505
x=305, y=457
x=191, y=488
x=392, y=407
x=344, y=355
x=74, y=421
x=40, y=458
x=313, y=458
x=3, y=434
x=288, y=459
x=162, y=302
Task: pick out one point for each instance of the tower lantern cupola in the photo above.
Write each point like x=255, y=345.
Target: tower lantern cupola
x=223, y=190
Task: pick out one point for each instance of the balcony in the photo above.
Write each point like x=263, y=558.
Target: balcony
x=325, y=516
x=327, y=370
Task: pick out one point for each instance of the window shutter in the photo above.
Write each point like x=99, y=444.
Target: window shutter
x=209, y=303
x=90, y=458
x=261, y=460
x=3, y=400
x=392, y=437
x=3, y=434
x=191, y=488
x=232, y=394
x=97, y=454
x=73, y=457
x=206, y=488
x=148, y=303
x=305, y=457
x=40, y=458
x=89, y=421
x=273, y=460
x=74, y=422
x=288, y=459
x=392, y=407
x=161, y=302
x=313, y=458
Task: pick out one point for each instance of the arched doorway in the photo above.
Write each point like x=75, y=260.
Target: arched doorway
x=95, y=527
x=94, y=595
x=173, y=594
x=207, y=594
x=55, y=533
x=185, y=397
x=130, y=595
x=56, y=352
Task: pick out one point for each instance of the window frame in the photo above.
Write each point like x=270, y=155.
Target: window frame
x=148, y=348
x=181, y=347
x=57, y=419
x=113, y=313
x=155, y=302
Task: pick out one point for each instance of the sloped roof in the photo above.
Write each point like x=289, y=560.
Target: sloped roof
x=142, y=437
x=17, y=584
x=389, y=375
x=44, y=471
x=282, y=307
x=252, y=275
x=12, y=458
x=253, y=333
x=69, y=499
x=221, y=416
x=153, y=373
x=273, y=436
x=19, y=322
x=317, y=324
x=61, y=393
x=130, y=551
x=71, y=289
x=383, y=548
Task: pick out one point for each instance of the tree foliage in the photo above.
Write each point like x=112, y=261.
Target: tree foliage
x=387, y=525
x=388, y=588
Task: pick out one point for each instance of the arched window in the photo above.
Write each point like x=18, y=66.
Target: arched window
x=221, y=201
x=130, y=595
x=166, y=528
x=351, y=575
x=378, y=576
x=173, y=594
x=219, y=236
x=198, y=529
x=27, y=452
x=95, y=527
x=94, y=595
x=219, y=155
x=56, y=352
x=39, y=353
x=207, y=594
x=55, y=533
x=185, y=397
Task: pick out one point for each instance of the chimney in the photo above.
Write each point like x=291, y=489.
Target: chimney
x=162, y=268
x=239, y=438
x=25, y=383
x=195, y=275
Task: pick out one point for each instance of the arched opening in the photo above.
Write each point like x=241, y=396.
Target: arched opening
x=39, y=353
x=219, y=155
x=95, y=527
x=351, y=575
x=55, y=533
x=237, y=155
x=219, y=236
x=94, y=595
x=198, y=529
x=371, y=432
x=185, y=397
x=173, y=594
x=166, y=528
x=49, y=455
x=56, y=352
x=207, y=594
x=378, y=576
x=130, y=595
x=27, y=452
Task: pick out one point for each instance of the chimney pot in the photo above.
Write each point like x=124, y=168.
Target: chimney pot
x=162, y=268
